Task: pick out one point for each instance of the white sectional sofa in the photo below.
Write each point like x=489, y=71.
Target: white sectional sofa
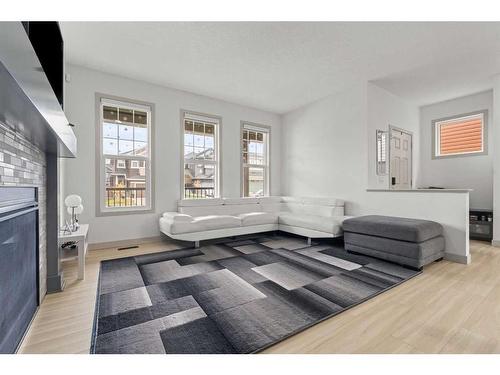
x=202, y=219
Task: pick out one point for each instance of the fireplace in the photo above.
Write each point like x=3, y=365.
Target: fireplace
x=19, y=268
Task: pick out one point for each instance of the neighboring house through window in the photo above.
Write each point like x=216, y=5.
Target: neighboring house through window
x=255, y=159
x=460, y=135
x=200, y=149
x=124, y=156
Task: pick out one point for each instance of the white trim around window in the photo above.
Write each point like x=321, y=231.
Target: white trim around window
x=200, y=156
x=256, y=160
x=136, y=117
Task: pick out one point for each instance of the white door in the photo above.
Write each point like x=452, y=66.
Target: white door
x=401, y=159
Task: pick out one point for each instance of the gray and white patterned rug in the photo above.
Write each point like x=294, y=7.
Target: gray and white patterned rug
x=233, y=297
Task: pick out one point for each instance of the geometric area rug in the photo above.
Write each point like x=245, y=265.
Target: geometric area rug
x=237, y=296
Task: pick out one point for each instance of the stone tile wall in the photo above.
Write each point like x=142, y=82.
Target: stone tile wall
x=23, y=164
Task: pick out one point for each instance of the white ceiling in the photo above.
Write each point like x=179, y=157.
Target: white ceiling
x=280, y=66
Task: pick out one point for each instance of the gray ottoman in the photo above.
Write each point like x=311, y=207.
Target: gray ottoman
x=409, y=242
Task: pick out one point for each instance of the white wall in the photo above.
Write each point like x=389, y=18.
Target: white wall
x=324, y=148
x=468, y=172
x=330, y=145
x=325, y=153
x=384, y=109
x=80, y=175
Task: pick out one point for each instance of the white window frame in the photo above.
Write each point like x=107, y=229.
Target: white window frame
x=135, y=164
x=203, y=117
x=109, y=100
x=436, y=127
x=246, y=125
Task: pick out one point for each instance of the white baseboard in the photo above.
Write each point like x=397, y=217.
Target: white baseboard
x=463, y=259
x=125, y=243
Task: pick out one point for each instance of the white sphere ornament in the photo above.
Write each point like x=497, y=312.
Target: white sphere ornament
x=73, y=200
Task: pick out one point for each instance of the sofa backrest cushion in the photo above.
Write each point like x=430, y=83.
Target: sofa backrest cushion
x=225, y=206
x=321, y=206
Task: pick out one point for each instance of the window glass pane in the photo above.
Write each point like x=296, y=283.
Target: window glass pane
x=199, y=140
x=253, y=182
x=209, y=141
x=199, y=152
x=109, y=146
x=188, y=139
x=199, y=181
x=140, y=117
x=126, y=132
x=124, y=186
x=125, y=147
x=245, y=134
x=141, y=134
x=461, y=135
x=252, y=147
x=125, y=115
x=251, y=136
x=188, y=152
x=260, y=137
x=110, y=113
x=141, y=148
x=209, y=147
x=109, y=130
x=259, y=148
x=199, y=128
x=188, y=126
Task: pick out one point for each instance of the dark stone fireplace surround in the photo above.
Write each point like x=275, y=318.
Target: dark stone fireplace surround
x=24, y=164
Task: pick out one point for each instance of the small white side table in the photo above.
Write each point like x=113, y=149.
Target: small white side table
x=80, y=237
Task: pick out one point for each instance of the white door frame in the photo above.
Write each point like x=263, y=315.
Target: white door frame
x=391, y=128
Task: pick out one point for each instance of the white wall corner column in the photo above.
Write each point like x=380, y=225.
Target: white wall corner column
x=496, y=162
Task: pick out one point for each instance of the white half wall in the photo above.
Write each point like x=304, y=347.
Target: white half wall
x=386, y=109
x=79, y=176
x=465, y=172
x=450, y=209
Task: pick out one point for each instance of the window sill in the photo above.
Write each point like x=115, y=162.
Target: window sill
x=124, y=211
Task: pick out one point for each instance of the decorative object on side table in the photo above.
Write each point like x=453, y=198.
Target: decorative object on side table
x=74, y=206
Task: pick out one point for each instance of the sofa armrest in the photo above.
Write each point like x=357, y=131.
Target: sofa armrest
x=177, y=217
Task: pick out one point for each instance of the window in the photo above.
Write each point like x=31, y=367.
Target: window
x=201, y=166
x=460, y=135
x=124, y=156
x=382, y=152
x=255, y=160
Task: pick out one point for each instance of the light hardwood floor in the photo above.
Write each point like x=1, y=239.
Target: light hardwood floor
x=450, y=308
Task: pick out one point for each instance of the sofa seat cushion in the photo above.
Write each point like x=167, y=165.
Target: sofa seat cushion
x=398, y=228
x=178, y=227
x=314, y=222
x=212, y=222
x=258, y=218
